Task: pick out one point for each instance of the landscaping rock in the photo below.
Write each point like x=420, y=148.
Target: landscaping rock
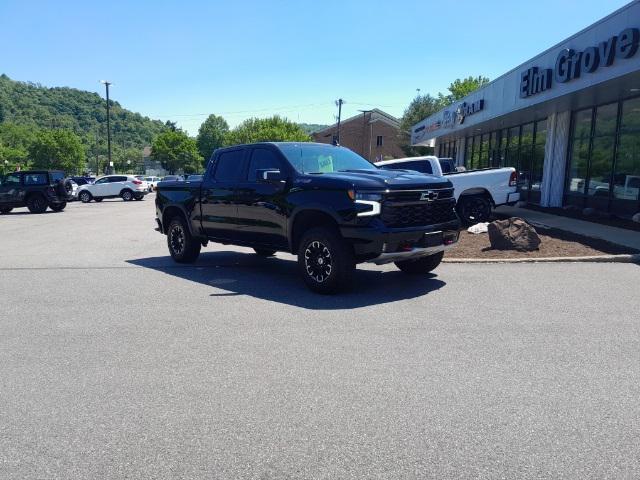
x=636, y=217
x=513, y=234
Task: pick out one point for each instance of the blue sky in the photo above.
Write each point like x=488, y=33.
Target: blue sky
x=184, y=60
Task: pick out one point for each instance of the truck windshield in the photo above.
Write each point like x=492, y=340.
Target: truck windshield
x=314, y=158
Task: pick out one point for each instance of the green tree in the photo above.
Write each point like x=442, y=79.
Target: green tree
x=460, y=88
x=211, y=135
x=58, y=150
x=273, y=129
x=176, y=151
x=421, y=107
x=127, y=160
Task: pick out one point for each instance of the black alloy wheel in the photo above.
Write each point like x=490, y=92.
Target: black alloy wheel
x=37, y=204
x=325, y=260
x=182, y=246
x=474, y=209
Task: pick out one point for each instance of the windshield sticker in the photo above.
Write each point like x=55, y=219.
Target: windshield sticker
x=325, y=163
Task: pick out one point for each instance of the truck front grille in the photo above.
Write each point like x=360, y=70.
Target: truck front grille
x=402, y=214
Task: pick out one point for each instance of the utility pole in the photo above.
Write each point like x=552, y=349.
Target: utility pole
x=106, y=84
x=97, y=154
x=364, y=126
x=339, y=103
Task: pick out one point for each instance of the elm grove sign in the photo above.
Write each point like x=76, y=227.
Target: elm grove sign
x=571, y=64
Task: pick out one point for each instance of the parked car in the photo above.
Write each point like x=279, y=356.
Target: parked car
x=172, y=178
x=476, y=191
x=127, y=187
x=37, y=190
x=152, y=182
x=193, y=178
x=325, y=203
x=83, y=180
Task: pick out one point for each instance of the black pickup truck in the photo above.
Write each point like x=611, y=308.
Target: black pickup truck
x=37, y=190
x=323, y=203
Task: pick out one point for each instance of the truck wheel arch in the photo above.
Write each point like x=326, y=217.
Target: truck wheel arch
x=481, y=192
x=305, y=219
x=173, y=211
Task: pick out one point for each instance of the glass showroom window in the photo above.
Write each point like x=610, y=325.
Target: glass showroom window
x=626, y=177
x=537, y=162
x=601, y=161
x=579, y=163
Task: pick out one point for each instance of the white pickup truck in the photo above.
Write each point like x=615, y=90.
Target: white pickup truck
x=476, y=191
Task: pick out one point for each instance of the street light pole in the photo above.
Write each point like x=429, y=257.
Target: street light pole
x=106, y=84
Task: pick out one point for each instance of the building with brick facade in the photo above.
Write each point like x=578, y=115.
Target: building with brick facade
x=374, y=134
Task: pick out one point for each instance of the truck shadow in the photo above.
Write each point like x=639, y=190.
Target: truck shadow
x=276, y=279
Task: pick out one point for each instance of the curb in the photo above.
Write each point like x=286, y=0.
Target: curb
x=626, y=258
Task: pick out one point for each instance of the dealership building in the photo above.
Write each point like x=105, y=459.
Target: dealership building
x=568, y=120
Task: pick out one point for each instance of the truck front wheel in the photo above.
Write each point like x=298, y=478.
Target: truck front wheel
x=422, y=265
x=325, y=260
x=182, y=246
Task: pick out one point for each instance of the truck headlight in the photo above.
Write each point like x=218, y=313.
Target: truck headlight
x=371, y=200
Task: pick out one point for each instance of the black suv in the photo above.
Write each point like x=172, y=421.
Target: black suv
x=324, y=203
x=36, y=190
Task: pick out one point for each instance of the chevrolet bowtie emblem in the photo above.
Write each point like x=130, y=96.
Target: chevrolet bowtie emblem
x=429, y=196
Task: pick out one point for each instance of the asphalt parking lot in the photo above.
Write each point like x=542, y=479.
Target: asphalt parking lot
x=117, y=363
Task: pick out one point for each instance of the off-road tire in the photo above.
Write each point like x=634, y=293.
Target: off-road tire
x=325, y=260
x=422, y=265
x=182, y=246
x=58, y=207
x=37, y=204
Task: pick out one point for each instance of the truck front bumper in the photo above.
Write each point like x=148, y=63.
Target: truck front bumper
x=378, y=244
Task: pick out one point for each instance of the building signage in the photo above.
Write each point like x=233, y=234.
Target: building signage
x=451, y=118
x=571, y=64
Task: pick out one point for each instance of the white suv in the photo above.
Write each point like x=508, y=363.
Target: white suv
x=127, y=187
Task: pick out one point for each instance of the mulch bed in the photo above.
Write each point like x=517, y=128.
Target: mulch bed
x=555, y=243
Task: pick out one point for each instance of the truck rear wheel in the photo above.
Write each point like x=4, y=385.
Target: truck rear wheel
x=325, y=260
x=37, y=204
x=422, y=265
x=182, y=246
x=474, y=209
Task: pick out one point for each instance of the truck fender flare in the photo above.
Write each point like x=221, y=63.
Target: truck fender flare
x=476, y=192
x=181, y=211
x=313, y=207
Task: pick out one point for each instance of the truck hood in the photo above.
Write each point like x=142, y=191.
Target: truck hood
x=384, y=179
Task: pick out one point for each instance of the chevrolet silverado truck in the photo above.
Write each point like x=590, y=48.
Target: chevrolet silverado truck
x=477, y=192
x=323, y=203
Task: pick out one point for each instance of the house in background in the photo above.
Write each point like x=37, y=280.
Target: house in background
x=373, y=134
x=150, y=166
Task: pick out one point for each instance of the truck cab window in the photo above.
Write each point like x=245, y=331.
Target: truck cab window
x=262, y=159
x=229, y=166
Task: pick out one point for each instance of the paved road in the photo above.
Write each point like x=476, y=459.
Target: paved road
x=115, y=363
